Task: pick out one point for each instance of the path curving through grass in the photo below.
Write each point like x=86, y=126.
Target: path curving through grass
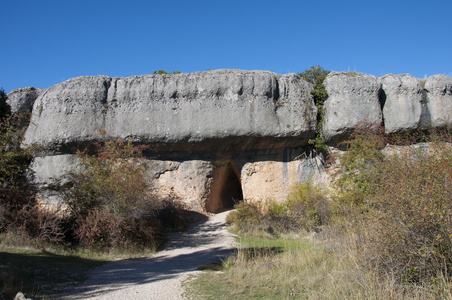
x=160, y=276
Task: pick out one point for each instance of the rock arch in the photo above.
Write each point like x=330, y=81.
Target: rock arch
x=226, y=188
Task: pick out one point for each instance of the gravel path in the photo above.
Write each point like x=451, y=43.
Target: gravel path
x=160, y=276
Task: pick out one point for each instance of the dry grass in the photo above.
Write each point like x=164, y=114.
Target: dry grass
x=388, y=236
x=304, y=268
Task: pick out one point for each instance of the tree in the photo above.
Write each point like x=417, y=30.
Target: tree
x=15, y=190
x=5, y=109
x=316, y=75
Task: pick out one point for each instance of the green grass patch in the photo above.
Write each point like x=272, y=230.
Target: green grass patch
x=282, y=268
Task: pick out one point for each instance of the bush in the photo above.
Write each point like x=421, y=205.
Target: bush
x=5, y=109
x=17, y=194
x=160, y=72
x=113, y=179
x=402, y=203
x=412, y=214
x=306, y=209
x=111, y=202
x=246, y=217
x=359, y=164
x=316, y=75
x=20, y=215
x=309, y=206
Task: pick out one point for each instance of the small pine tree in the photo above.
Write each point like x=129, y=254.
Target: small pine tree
x=316, y=75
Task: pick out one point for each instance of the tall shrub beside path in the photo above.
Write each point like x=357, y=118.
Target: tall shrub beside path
x=111, y=202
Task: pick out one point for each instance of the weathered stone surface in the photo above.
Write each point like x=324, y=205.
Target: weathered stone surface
x=21, y=100
x=218, y=136
x=353, y=99
x=402, y=97
x=49, y=171
x=202, y=184
x=188, y=180
x=274, y=174
x=243, y=109
x=50, y=174
x=439, y=95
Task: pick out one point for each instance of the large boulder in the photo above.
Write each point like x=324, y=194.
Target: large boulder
x=181, y=112
x=439, y=95
x=402, y=97
x=353, y=100
x=22, y=100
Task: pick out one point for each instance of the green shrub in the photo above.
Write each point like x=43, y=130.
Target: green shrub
x=316, y=75
x=246, y=217
x=307, y=204
x=306, y=209
x=160, y=72
x=359, y=163
x=5, y=109
x=20, y=214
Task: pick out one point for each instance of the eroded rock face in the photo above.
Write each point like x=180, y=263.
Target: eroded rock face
x=403, y=99
x=273, y=179
x=242, y=109
x=353, y=99
x=188, y=180
x=439, y=94
x=220, y=136
x=196, y=126
x=22, y=100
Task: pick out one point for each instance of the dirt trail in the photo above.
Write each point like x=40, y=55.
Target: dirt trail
x=160, y=276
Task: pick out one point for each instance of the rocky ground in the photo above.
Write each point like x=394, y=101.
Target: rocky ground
x=160, y=276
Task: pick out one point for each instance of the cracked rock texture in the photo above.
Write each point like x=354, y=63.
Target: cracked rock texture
x=22, y=100
x=439, y=95
x=243, y=109
x=217, y=136
x=402, y=97
x=353, y=99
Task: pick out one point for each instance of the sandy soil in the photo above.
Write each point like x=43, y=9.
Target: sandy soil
x=160, y=276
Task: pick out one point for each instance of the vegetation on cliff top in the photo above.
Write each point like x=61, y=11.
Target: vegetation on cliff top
x=316, y=75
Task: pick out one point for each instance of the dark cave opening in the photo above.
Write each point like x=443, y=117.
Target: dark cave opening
x=226, y=190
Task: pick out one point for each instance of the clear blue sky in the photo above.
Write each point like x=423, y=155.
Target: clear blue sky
x=48, y=41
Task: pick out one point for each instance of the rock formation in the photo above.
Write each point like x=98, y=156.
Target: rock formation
x=402, y=98
x=352, y=100
x=439, y=100
x=22, y=100
x=219, y=136
x=242, y=109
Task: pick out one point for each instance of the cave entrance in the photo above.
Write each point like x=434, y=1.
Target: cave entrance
x=226, y=189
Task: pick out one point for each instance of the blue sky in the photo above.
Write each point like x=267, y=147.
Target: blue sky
x=49, y=41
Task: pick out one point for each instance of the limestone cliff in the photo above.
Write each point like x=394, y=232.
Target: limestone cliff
x=205, y=111
x=219, y=136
